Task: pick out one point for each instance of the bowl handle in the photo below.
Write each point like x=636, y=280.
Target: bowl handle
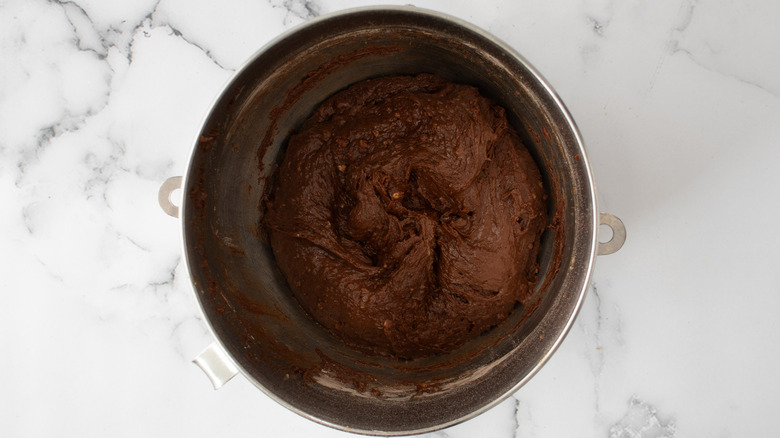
x=216, y=364
x=618, y=234
x=164, y=195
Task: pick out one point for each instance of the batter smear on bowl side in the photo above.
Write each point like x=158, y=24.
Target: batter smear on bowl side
x=406, y=215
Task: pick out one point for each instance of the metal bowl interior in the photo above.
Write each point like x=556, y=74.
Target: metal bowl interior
x=244, y=297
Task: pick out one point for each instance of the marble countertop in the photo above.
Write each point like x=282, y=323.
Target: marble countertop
x=679, y=105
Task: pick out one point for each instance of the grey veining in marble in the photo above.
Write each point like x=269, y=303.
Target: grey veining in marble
x=679, y=105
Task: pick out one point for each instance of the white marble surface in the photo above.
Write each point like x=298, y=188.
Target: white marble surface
x=679, y=103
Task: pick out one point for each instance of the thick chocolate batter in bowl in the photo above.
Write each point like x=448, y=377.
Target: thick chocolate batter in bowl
x=406, y=215
x=361, y=378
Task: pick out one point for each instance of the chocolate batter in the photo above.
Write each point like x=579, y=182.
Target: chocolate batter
x=407, y=215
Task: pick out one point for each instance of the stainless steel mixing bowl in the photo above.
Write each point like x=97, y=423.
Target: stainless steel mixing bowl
x=260, y=329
